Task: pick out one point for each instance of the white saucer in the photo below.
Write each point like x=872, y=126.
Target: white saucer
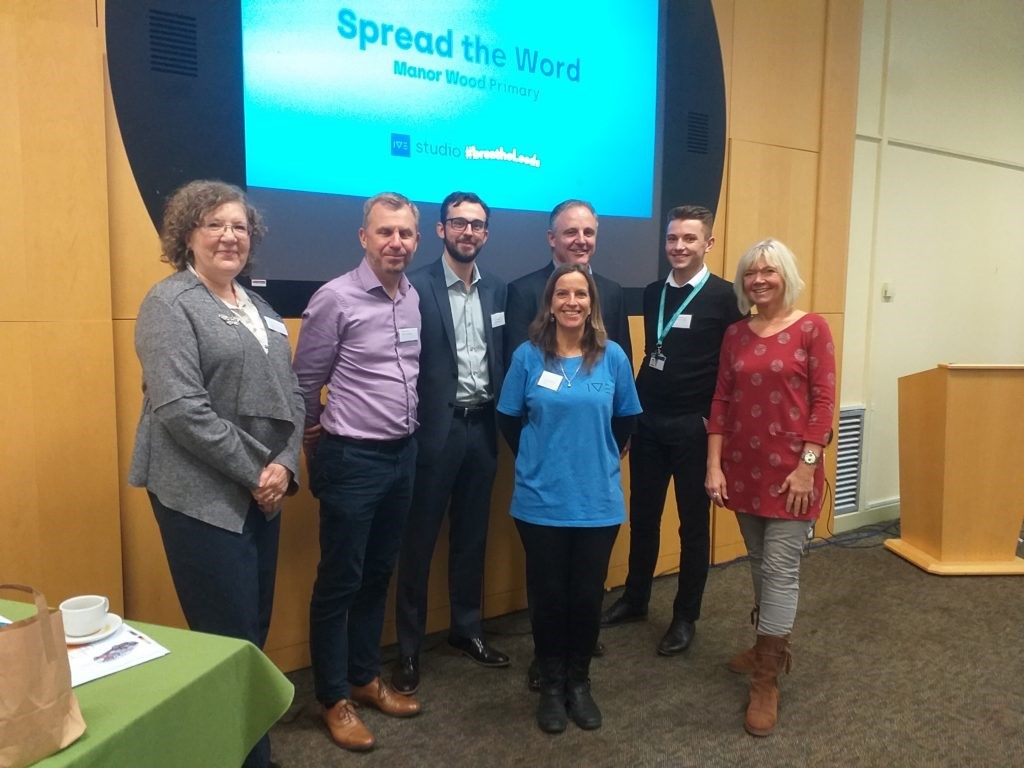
x=110, y=625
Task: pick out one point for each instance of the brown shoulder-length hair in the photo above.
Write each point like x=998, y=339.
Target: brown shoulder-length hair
x=185, y=209
x=543, y=329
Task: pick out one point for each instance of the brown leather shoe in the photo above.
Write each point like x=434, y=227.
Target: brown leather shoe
x=347, y=730
x=380, y=695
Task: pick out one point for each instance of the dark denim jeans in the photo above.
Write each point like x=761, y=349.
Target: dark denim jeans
x=364, y=492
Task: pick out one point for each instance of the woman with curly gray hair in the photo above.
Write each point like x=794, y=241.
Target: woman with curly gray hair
x=217, y=443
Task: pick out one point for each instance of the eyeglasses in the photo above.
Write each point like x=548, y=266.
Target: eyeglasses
x=460, y=224
x=218, y=228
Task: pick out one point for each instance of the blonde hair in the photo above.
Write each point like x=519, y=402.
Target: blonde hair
x=775, y=254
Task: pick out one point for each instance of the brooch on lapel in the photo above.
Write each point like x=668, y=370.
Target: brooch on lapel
x=229, y=319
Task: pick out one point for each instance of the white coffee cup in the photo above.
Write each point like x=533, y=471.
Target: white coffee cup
x=84, y=614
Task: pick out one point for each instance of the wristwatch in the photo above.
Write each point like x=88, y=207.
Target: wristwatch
x=810, y=457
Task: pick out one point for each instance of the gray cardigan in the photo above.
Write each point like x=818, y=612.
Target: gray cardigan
x=216, y=409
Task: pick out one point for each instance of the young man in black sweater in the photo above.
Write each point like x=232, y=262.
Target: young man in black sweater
x=685, y=317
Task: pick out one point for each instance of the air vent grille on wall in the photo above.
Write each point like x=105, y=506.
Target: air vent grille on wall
x=848, y=459
x=172, y=43
x=698, y=132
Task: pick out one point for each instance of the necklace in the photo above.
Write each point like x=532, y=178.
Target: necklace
x=567, y=377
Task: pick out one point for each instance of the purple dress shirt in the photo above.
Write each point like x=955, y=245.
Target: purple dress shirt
x=365, y=346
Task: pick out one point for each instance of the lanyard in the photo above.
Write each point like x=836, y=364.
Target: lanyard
x=663, y=327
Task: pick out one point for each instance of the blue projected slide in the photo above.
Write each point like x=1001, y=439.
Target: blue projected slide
x=526, y=103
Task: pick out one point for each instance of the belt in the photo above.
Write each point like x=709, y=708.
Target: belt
x=471, y=412
x=382, y=446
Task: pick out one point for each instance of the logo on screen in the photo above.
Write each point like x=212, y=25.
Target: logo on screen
x=401, y=145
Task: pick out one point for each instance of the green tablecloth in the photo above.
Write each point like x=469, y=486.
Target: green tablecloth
x=206, y=703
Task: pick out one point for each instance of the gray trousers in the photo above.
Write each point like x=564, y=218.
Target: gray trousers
x=774, y=547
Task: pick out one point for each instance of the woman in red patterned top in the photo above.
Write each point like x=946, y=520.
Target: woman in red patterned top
x=771, y=418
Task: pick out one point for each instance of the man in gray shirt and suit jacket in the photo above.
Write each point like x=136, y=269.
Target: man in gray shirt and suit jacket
x=461, y=369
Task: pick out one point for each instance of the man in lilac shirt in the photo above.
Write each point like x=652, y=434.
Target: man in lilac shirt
x=361, y=338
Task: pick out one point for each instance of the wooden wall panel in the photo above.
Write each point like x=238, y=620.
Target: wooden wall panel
x=772, y=193
x=835, y=163
x=778, y=60
x=59, y=530
x=59, y=523
x=53, y=196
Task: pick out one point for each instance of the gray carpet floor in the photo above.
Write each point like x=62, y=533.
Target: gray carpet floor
x=891, y=667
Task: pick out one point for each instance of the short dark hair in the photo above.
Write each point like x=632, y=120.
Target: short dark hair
x=566, y=205
x=185, y=209
x=458, y=198
x=686, y=212
x=392, y=200
x=542, y=330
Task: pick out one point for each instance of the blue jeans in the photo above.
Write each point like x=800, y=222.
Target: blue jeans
x=364, y=491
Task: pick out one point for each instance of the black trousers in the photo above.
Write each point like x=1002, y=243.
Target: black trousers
x=459, y=483
x=565, y=573
x=224, y=580
x=680, y=455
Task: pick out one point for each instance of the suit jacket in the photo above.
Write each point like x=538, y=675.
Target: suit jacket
x=524, y=295
x=439, y=371
x=216, y=409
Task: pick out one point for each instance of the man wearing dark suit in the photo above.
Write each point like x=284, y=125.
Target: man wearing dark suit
x=572, y=235
x=461, y=369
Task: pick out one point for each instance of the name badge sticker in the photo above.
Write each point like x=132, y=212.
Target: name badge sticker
x=550, y=380
x=408, y=334
x=497, y=319
x=276, y=325
x=683, y=321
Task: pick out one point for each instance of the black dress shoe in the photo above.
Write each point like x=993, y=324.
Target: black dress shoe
x=598, y=649
x=678, y=638
x=406, y=676
x=621, y=612
x=479, y=651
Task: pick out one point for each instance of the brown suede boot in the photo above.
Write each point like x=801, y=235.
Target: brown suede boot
x=743, y=663
x=771, y=658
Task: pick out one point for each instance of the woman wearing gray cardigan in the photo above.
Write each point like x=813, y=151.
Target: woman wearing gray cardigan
x=217, y=444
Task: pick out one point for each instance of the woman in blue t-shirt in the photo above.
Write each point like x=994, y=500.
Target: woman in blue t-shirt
x=566, y=408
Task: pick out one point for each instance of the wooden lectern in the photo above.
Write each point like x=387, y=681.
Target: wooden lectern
x=961, y=473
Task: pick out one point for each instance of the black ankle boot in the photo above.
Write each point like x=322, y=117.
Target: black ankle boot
x=551, y=714
x=582, y=707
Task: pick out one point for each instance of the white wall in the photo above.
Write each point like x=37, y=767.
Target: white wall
x=937, y=212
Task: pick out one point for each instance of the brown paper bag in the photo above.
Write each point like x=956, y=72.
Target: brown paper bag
x=39, y=714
